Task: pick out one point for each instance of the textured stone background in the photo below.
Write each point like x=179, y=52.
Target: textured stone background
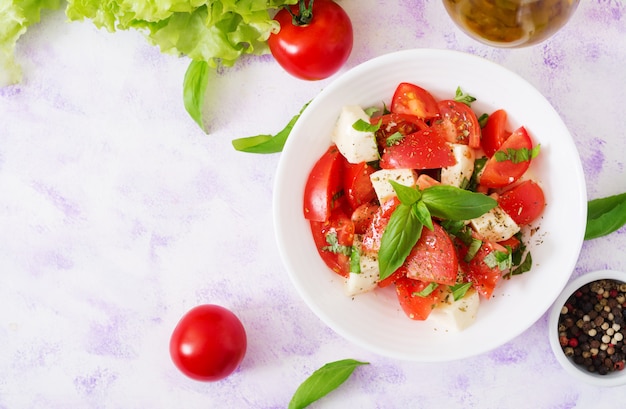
x=117, y=215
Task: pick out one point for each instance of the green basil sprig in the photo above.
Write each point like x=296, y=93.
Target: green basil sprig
x=323, y=381
x=416, y=210
x=194, y=89
x=267, y=143
x=605, y=215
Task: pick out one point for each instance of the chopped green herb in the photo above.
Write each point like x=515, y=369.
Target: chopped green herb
x=517, y=155
x=394, y=138
x=460, y=96
x=355, y=260
x=482, y=120
x=479, y=164
x=371, y=111
x=428, y=290
x=524, y=266
x=499, y=259
x=334, y=246
x=473, y=248
x=459, y=290
x=364, y=126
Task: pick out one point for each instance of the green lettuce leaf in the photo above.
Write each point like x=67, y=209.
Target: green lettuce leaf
x=15, y=17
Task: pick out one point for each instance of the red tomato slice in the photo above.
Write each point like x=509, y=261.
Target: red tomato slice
x=483, y=278
x=363, y=216
x=494, y=132
x=392, y=123
x=414, y=306
x=424, y=149
x=524, y=203
x=458, y=123
x=433, y=258
x=502, y=173
x=413, y=100
x=357, y=185
x=342, y=226
x=323, y=185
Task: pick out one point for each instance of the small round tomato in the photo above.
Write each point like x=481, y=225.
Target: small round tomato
x=208, y=343
x=315, y=44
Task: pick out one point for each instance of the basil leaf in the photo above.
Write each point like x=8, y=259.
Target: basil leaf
x=371, y=111
x=605, y=215
x=267, y=143
x=323, y=381
x=194, y=89
x=473, y=248
x=482, y=120
x=428, y=290
x=449, y=202
x=423, y=215
x=517, y=155
x=407, y=195
x=364, y=126
x=525, y=266
x=399, y=237
x=459, y=290
x=334, y=246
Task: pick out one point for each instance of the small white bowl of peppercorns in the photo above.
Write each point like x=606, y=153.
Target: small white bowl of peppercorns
x=587, y=327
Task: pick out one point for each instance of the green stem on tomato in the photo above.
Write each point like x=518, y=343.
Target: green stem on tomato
x=305, y=13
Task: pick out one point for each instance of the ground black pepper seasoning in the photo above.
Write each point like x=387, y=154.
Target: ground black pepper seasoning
x=592, y=326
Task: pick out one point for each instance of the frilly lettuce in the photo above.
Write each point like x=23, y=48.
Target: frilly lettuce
x=15, y=17
x=210, y=32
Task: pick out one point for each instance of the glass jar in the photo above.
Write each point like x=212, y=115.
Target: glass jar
x=510, y=23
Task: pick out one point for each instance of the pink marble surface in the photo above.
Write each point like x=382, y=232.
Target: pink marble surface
x=117, y=215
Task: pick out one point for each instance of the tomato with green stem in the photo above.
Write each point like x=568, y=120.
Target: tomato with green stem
x=314, y=41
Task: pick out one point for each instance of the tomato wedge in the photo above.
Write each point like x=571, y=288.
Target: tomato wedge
x=393, y=123
x=424, y=149
x=414, y=100
x=524, y=202
x=483, y=278
x=458, y=123
x=494, y=132
x=323, y=185
x=363, y=216
x=417, y=307
x=500, y=173
x=340, y=226
x=433, y=258
x=357, y=185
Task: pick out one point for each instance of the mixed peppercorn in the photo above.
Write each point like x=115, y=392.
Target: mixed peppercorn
x=592, y=327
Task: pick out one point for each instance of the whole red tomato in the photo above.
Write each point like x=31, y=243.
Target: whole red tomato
x=315, y=41
x=208, y=343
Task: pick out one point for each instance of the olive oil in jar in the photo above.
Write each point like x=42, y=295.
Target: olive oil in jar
x=510, y=23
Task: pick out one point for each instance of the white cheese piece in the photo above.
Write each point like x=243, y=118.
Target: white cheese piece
x=355, y=146
x=367, y=279
x=495, y=225
x=457, y=315
x=380, y=181
x=456, y=174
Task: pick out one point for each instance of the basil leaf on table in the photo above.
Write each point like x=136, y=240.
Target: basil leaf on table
x=267, y=143
x=449, y=202
x=194, y=89
x=323, y=381
x=605, y=215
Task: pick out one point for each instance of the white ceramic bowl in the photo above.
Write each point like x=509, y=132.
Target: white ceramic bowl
x=615, y=378
x=375, y=320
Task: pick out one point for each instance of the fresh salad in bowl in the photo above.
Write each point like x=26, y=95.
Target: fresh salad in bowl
x=428, y=196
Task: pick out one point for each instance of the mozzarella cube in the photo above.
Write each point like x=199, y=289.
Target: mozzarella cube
x=380, y=181
x=367, y=279
x=355, y=146
x=495, y=225
x=460, y=314
x=461, y=172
